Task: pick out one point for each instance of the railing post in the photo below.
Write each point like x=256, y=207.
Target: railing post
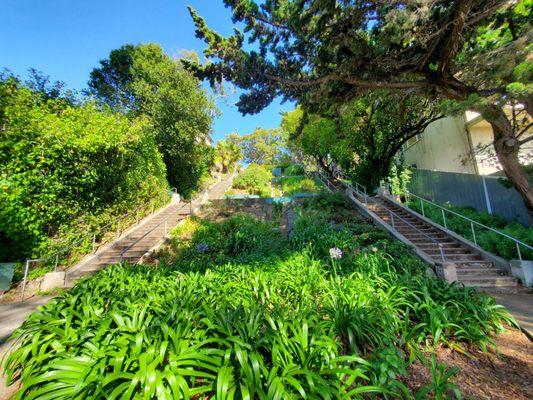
x=444, y=218
x=152, y=208
x=190, y=207
x=24, y=279
x=56, y=263
x=422, y=207
x=118, y=228
x=518, y=250
x=473, y=232
x=94, y=243
x=392, y=220
x=441, y=254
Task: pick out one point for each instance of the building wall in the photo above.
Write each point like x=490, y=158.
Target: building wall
x=444, y=146
x=481, y=134
x=482, y=138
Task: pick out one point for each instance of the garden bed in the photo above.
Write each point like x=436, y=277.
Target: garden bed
x=234, y=307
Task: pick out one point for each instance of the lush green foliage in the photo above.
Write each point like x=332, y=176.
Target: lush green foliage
x=237, y=310
x=67, y=169
x=143, y=81
x=362, y=136
x=399, y=178
x=294, y=169
x=474, y=54
x=490, y=241
x=290, y=185
x=255, y=179
x=263, y=146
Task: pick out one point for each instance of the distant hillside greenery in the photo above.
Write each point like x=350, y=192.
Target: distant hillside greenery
x=65, y=167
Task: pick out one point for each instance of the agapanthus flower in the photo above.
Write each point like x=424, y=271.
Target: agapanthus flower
x=335, y=253
x=202, y=247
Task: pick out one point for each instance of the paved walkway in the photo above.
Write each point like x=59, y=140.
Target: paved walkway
x=520, y=305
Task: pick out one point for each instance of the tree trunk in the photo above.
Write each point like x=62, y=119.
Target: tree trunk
x=506, y=147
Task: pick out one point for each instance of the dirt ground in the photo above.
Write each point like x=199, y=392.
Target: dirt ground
x=506, y=374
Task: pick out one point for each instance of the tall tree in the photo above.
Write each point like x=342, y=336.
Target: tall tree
x=364, y=135
x=142, y=81
x=473, y=52
x=262, y=146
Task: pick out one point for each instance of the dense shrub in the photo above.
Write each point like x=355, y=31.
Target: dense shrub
x=294, y=169
x=255, y=179
x=490, y=241
x=66, y=168
x=245, y=313
x=298, y=184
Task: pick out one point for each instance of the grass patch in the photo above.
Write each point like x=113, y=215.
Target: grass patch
x=291, y=185
x=237, y=310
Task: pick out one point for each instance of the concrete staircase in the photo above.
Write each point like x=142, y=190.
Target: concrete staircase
x=131, y=246
x=136, y=242
x=472, y=267
x=434, y=244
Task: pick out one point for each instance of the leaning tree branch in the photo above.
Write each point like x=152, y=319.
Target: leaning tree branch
x=489, y=11
x=361, y=83
x=451, y=42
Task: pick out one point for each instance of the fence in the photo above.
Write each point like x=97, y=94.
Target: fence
x=486, y=194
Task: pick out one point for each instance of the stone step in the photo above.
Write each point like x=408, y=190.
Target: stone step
x=432, y=245
x=398, y=224
x=421, y=240
x=447, y=250
x=116, y=258
x=461, y=257
x=412, y=234
x=479, y=272
x=489, y=281
x=474, y=264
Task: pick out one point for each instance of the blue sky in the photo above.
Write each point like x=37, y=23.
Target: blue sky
x=66, y=38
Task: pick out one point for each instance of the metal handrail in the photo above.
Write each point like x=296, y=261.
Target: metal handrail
x=103, y=229
x=518, y=242
x=357, y=187
x=324, y=180
x=363, y=194
x=393, y=225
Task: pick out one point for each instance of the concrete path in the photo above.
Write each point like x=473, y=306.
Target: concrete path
x=11, y=317
x=520, y=305
x=217, y=191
